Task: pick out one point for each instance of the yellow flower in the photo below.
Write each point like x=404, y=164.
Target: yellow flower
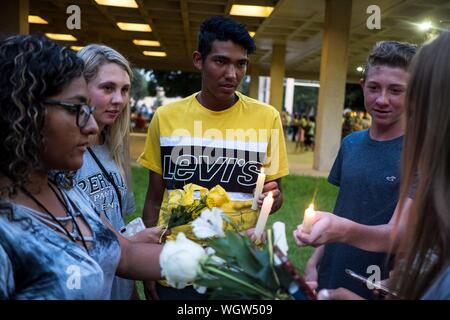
x=188, y=198
x=198, y=209
x=195, y=187
x=217, y=197
x=189, y=190
x=175, y=198
x=203, y=193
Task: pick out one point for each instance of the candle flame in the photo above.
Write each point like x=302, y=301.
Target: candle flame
x=309, y=218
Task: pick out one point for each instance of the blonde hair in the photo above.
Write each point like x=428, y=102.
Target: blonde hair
x=117, y=136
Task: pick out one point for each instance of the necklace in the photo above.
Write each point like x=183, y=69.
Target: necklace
x=40, y=204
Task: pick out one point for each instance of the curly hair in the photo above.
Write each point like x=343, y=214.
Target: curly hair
x=31, y=69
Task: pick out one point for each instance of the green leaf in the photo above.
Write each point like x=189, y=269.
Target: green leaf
x=284, y=276
x=266, y=273
x=243, y=251
x=253, y=263
x=180, y=216
x=237, y=282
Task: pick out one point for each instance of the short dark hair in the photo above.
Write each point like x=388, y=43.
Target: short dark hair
x=223, y=29
x=393, y=54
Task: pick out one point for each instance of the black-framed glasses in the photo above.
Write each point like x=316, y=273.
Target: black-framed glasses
x=83, y=110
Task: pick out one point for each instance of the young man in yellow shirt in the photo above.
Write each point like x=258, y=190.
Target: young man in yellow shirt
x=217, y=136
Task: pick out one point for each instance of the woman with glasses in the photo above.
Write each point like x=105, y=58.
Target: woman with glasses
x=53, y=244
x=105, y=175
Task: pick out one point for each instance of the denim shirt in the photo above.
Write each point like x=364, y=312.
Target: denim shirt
x=36, y=262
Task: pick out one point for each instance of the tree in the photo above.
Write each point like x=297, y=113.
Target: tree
x=138, y=85
x=354, y=98
x=244, y=86
x=175, y=83
x=305, y=99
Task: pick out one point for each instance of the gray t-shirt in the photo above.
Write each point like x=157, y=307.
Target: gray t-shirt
x=92, y=180
x=37, y=262
x=368, y=175
x=440, y=290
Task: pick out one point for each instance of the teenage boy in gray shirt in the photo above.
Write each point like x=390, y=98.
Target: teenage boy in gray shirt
x=367, y=172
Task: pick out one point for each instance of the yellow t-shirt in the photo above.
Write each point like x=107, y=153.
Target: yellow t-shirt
x=188, y=143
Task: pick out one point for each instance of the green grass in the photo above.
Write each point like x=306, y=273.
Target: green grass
x=298, y=192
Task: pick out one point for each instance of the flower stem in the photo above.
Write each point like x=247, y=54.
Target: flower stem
x=232, y=278
x=163, y=233
x=270, y=247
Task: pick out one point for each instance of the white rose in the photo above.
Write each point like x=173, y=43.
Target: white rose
x=180, y=261
x=213, y=258
x=209, y=224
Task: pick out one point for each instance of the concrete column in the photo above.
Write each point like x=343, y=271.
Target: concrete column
x=254, y=81
x=333, y=74
x=267, y=90
x=277, y=69
x=14, y=18
x=264, y=89
x=289, y=95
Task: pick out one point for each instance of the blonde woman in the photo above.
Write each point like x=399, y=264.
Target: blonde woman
x=105, y=175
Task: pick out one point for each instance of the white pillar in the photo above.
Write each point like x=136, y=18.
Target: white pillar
x=289, y=95
x=264, y=89
x=254, y=81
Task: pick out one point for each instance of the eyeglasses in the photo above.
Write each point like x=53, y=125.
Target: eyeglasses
x=82, y=109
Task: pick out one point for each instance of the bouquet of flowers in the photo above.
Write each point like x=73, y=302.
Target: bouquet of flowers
x=232, y=266
x=184, y=208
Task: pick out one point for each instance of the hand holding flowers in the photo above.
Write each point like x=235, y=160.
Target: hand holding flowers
x=232, y=266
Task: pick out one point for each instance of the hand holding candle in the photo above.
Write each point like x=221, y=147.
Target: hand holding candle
x=309, y=218
x=263, y=215
x=259, y=188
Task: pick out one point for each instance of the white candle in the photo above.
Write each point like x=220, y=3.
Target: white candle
x=259, y=188
x=309, y=218
x=263, y=215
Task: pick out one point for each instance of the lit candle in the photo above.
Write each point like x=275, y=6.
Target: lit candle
x=263, y=215
x=259, y=188
x=309, y=218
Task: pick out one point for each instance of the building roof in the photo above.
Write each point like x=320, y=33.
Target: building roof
x=297, y=23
